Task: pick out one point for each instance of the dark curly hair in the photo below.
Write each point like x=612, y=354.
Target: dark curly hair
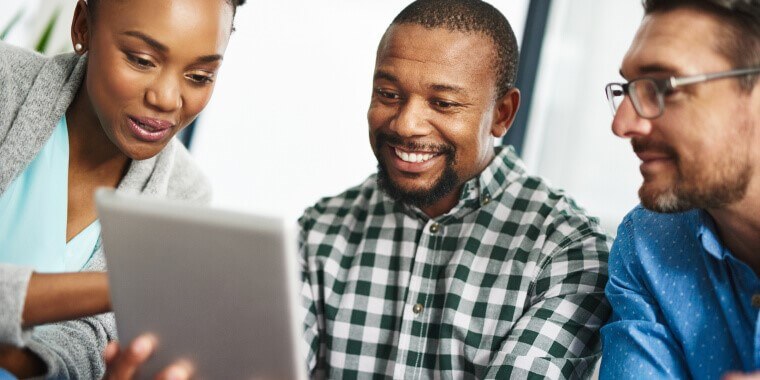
x=470, y=16
x=739, y=41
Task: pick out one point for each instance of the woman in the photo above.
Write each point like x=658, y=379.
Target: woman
x=104, y=116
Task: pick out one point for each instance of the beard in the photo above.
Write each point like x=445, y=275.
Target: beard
x=420, y=197
x=697, y=185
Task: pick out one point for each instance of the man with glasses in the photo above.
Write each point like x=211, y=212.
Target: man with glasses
x=684, y=283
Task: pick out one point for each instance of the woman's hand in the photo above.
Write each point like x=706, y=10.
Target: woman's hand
x=125, y=364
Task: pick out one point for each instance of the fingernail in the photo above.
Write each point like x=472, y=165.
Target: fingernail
x=176, y=374
x=142, y=346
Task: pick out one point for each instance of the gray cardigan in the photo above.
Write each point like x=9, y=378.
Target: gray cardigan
x=35, y=92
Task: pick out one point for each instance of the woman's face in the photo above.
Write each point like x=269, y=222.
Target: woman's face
x=152, y=66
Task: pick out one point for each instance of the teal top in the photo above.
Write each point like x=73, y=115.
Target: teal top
x=33, y=214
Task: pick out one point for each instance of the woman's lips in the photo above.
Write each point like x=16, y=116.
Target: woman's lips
x=149, y=129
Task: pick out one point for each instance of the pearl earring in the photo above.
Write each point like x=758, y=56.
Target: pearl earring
x=78, y=47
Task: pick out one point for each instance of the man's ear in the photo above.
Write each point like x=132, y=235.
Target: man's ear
x=504, y=112
x=80, y=27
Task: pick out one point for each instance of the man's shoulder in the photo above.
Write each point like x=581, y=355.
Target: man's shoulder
x=653, y=239
x=355, y=202
x=642, y=223
x=531, y=200
x=533, y=196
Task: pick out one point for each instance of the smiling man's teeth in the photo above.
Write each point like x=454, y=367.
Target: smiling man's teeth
x=413, y=157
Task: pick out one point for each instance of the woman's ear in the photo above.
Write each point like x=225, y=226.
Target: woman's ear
x=80, y=28
x=505, y=111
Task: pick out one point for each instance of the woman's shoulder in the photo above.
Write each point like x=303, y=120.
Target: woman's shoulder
x=187, y=181
x=20, y=63
x=172, y=174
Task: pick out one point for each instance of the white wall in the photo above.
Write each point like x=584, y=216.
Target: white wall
x=569, y=138
x=35, y=16
x=287, y=122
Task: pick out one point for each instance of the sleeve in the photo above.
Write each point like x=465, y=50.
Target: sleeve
x=558, y=336
x=308, y=299
x=14, y=281
x=637, y=342
x=74, y=349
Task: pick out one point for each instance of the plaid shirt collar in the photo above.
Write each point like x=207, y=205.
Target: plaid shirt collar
x=505, y=168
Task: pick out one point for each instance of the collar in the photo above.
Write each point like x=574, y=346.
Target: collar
x=707, y=235
x=505, y=168
x=53, y=89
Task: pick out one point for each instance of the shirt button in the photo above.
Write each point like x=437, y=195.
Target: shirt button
x=434, y=228
x=485, y=200
x=756, y=301
x=417, y=308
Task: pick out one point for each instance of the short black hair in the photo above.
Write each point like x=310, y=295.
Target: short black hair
x=470, y=16
x=740, y=39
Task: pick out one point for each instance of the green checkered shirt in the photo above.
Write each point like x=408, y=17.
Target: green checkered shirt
x=508, y=284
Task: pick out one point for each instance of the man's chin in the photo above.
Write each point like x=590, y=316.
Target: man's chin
x=417, y=192
x=660, y=201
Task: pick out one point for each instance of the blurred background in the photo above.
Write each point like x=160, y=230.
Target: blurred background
x=287, y=122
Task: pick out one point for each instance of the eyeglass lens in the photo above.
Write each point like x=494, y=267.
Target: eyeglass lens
x=644, y=96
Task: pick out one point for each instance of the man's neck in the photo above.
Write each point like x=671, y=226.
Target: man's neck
x=738, y=226
x=443, y=205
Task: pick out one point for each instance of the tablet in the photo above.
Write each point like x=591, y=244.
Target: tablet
x=217, y=288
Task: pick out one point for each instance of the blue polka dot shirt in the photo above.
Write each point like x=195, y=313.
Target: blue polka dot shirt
x=681, y=302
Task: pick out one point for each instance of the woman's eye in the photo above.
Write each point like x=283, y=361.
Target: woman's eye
x=139, y=62
x=200, y=78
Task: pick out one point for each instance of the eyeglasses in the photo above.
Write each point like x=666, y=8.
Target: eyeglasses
x=648, y=94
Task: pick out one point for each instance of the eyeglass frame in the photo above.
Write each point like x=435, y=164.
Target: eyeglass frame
x=666, y=85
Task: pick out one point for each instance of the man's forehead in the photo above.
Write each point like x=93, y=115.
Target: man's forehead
x=447, y=48
x=440, y=40
x=678, y=42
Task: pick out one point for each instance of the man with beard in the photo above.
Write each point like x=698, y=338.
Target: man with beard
x=684, y=284
x=450, y=262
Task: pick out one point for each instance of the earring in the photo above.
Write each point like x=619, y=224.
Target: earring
x=78, y=47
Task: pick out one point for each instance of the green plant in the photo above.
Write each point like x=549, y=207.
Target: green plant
x=43, y=42
x=11, y=24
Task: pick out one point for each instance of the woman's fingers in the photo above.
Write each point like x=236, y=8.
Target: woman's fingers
x=178, y=371
x=124, y=364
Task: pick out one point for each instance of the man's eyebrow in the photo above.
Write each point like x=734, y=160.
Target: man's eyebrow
x=654, y=68
x=447, y=88
x=657, y=68
x=148, y=40
x=385, y=75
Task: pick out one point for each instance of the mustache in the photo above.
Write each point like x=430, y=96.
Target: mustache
x=642, y=145
x=412, y=145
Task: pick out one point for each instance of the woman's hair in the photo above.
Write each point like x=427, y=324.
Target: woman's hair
x=92, y=5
